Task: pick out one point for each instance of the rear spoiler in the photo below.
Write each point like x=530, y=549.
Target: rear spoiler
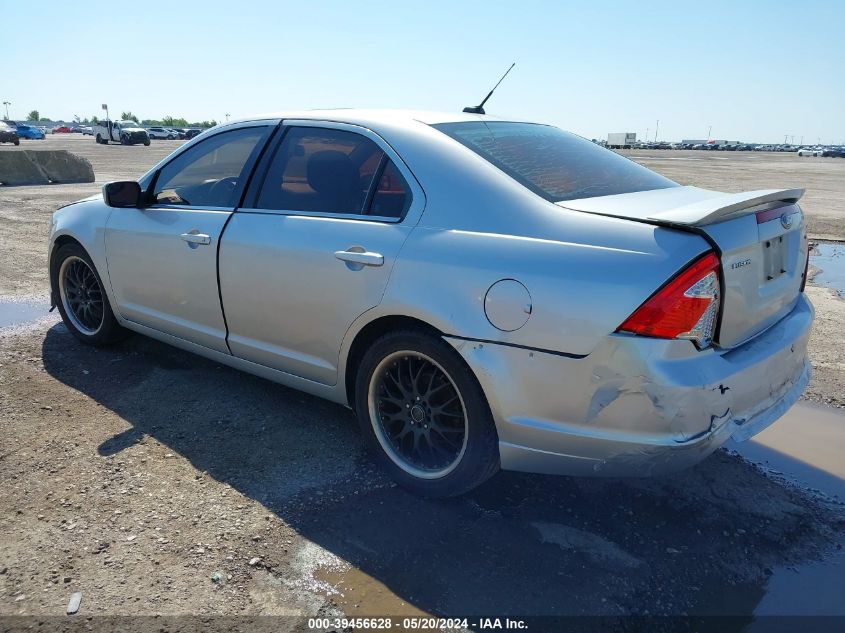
x=726, y=206
x=686, y=206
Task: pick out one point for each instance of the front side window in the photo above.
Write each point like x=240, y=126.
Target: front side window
x=331, y=171
x=212, y=173
x=552, y=163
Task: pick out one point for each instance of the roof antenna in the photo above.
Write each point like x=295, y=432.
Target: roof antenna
x=479, y=109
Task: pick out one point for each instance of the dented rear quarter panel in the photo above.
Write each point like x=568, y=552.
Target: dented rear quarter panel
x=638, y=406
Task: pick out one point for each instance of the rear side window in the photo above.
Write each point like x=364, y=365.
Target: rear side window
x=333, y=171
x=392, y=196
x=552, y=163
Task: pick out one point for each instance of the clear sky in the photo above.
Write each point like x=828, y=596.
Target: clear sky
x=754, y=70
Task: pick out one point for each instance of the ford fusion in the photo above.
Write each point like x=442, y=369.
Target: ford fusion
x=483, y=293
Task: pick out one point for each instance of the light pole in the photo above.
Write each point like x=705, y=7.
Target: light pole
x=227, y=116
x=7, y=104
x=656, y=128
x=710, y=129
x=647, y=130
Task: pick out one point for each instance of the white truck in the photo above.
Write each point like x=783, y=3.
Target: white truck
x=123, y=132
x=621, y=140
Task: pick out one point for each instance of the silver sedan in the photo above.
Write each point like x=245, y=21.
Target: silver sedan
x=483, y=293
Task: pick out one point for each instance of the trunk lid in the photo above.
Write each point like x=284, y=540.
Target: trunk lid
x=760, y=237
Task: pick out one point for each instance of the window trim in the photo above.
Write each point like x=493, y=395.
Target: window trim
x=411, y=216
x=270, y=126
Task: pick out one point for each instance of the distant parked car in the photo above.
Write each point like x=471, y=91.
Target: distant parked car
x=87, y=130
x=29, y=132
x=45, y=129
x=192, y=132
x=810, y=151
x=62, y=129
x=8, y=134
x=161, y=133
x=834, y=152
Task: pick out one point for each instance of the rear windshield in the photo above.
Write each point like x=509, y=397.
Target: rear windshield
x=552, y=163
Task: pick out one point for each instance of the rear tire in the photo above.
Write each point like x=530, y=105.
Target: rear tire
x=80, y=296
x=423, y=415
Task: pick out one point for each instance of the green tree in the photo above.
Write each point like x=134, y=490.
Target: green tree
x=128, y=116
x=33, y=116
x=95, y=119
x=170, y=121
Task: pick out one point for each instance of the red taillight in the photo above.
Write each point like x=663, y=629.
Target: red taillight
x=685, y=308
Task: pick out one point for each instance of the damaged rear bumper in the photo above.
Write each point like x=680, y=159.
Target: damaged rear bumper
x=638, y=406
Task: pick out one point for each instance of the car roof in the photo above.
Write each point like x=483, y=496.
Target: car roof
x=367, y=117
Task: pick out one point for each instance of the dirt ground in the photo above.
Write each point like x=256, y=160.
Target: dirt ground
x=155, y=482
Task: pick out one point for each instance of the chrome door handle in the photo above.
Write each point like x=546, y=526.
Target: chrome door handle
x=362, y=258
x=196, y=238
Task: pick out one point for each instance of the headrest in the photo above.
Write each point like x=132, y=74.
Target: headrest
x=331, y=171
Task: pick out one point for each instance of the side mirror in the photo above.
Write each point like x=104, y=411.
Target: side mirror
x=123, y=194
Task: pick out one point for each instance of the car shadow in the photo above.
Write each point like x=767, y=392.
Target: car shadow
x=702, y=541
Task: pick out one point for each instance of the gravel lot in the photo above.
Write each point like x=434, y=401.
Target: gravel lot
x=156, y=482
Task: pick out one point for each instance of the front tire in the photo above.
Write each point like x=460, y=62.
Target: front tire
x=79, y=295
x=424, y=416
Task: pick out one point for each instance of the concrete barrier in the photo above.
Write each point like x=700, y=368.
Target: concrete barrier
x=62, y=167
x=41, y=167
x=17, y=168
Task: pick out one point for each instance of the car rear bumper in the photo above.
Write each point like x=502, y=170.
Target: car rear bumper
x=638, y=406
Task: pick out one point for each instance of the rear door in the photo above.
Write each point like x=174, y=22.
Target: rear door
x=162, y=259
x=314, y=245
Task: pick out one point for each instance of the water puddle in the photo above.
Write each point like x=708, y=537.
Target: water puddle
x=360, y=595
x=830, y=258
x=18, y=311
x=805, y=447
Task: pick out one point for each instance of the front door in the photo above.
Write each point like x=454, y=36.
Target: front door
x=315, y=249
x=162, y=259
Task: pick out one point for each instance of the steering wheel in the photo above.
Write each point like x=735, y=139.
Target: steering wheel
x=223, y=189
